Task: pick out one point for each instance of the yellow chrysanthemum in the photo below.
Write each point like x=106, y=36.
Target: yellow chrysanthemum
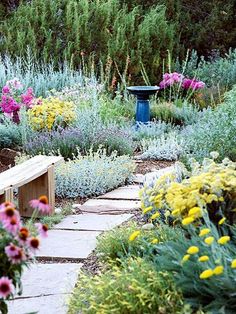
x=206, y=274
x=186, y=258
x=209, y=240
x=204, y=232
x=203, y=258
x=193, y=250
x=223, y=240
x=134, y=235
x=233, y=263
x=187, y=221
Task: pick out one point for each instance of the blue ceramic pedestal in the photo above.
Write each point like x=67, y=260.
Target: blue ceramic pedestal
x=142, y=104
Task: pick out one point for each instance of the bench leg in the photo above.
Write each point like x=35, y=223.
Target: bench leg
x=7, y=196
x=43, y=185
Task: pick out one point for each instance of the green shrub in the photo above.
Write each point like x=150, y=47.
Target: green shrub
x=207, y=283
x=10, y=135
x=214, y=131
x=113, y=246
x=93, y=174
x=66, y=30
x=134, y=288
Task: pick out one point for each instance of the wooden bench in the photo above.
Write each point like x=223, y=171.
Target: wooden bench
x=33, y=178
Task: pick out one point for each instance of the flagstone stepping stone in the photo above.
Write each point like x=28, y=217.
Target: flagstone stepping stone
x=92, y=222
x=139, y=178
x=129, y=192
x=47, y=279
x=52, y=304
x=65, y=244
x=109, y=206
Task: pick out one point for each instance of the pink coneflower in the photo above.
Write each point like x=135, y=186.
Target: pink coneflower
x=12, y=225
x=15, y=254
x=6, y=287
x=42, y=229
x=41, y=205
x=23, y=234
x=11, y=250
x=33, y=243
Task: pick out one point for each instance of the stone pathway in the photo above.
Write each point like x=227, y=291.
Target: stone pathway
x=48, y=283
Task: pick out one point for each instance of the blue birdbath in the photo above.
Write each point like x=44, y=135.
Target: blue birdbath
x=142, y=104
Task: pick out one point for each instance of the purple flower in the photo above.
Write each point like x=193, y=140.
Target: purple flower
x=192, y=84
x=171, y=78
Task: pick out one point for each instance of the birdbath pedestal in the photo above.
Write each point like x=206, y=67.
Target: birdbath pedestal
x=142, y=104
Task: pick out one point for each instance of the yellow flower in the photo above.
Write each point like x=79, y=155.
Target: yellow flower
x=223, y=240
x=233, y=264
x=209, y=240
x=222, y=221
x=204, y=232
x=218, y=270
x=155, y=241
x=206, y=274
x=134, y=235
x=187, y=221
x=195, y=211
x=186, y=258
x=193, y=250
x=203, y=258
x=147, y=209
x=175, y=212
x=156, y=215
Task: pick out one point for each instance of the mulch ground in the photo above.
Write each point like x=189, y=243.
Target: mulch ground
x=145, y=166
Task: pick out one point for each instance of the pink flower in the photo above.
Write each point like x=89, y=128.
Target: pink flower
x=6, y=90
x=33, y=243
x=192, y=84
x=6, y=287
x=42, y=229
x=41, y=205
x=9, y=105
x=12, y=226
x=11, y=250
x=15, y=254
x=171, y=78
x=28, y=97
x=15, y=83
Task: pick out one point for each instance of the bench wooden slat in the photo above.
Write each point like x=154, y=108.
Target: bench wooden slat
x=27, y=171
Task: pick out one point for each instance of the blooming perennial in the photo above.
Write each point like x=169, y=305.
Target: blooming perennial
x=13, y=99
x=18, y=245
x=50, y=113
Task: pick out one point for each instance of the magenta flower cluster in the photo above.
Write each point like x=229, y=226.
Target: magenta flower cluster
x=19, y=244
x=169, y=79
x=13, y=98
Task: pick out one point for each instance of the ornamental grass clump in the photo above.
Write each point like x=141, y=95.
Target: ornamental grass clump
x=92, y=174
x=17, y=247
x=52, y=112
x=211, y=187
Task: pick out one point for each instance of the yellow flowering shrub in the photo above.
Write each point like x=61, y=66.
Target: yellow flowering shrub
x=50, y=113
x=210, y=187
